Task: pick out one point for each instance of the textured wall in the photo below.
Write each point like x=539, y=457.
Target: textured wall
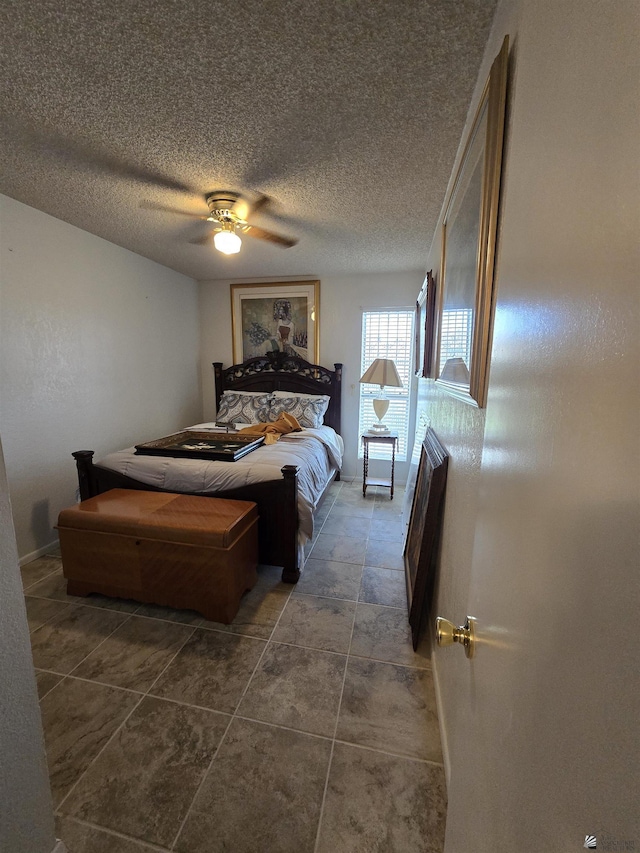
x=98, y=349
x=540, y=540
x=342, y=300
x=26, y=811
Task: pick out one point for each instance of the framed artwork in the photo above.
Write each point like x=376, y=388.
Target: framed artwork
x=466, y=299
x=275, y=317
x=191, y=444
x=421, y=546
x=425, y=318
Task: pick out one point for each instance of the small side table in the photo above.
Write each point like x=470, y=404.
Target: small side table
x=376, y=438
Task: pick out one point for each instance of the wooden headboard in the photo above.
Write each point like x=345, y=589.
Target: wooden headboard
x=281, y=372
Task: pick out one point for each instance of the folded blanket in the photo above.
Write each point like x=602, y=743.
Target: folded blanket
x=284, y=424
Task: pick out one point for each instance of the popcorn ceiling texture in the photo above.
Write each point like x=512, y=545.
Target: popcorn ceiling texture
x=348, y=113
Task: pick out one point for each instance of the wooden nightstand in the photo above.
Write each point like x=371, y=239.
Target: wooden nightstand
x=375, y=438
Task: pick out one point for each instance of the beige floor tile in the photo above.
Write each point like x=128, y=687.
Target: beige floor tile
x=144, y=781
x=347, y=525
x=78, y=718
x=340, y=549
x=297, y=688
x=135, y=654
x=46, y=681
x=260, y=608
x=391, y=708
x=262, y=795
x=65, y=640
x=169, y=614
x=387, y=529
x=38, y=569
x=211, y=671
x=383, y=633
x=55, y=587
x=383, y=586
x=41, y=610
x=384, y=555
x=316, y=623
x=330, y=579
x=79, y=838
x=382, y=803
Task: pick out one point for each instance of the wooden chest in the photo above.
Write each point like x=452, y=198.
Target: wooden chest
x=182, y=551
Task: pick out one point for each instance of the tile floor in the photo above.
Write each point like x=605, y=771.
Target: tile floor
x=309, y=724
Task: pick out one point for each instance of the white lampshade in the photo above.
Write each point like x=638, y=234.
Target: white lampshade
x=227, y=242
x=382, y=372
x=455, y=370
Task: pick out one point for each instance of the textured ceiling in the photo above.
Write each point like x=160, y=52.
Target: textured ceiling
x=346, y=113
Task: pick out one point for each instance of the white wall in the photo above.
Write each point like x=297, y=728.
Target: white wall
x=26, y=810
x=541, y=528
x=98, y=349
x=342, y=301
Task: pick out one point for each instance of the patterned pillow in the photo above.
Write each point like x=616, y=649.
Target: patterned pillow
x=244, y=408
x=309, y=411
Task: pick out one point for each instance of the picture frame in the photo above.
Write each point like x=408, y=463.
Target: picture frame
x=469, y=232
x=272, y=317
x=425, y=521
x=192, y=444
x=425, y=321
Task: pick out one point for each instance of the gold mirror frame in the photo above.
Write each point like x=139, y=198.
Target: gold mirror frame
x=484, y=145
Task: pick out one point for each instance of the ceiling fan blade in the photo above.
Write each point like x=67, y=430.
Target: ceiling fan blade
x=261, y=234
x=151, y=205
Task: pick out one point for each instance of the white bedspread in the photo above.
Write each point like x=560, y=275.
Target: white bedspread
x=316, y=452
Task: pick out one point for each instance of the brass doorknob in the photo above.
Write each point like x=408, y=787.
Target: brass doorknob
x=447, y=634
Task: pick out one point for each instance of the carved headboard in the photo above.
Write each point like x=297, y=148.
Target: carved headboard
x=281, y=372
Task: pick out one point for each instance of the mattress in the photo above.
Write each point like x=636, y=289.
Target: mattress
x=317, y=453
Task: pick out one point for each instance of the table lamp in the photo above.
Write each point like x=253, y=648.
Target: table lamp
x=382, y=372
x=455, y=370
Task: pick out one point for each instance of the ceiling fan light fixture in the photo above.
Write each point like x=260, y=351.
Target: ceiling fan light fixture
x=227, y=242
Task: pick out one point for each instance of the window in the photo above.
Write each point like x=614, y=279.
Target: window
x=455, y=337
x=387, y=334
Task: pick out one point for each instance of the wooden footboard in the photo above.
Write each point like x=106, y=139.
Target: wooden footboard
x=277, y=502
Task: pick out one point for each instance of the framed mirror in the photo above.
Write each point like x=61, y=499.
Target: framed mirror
x=469, y=230
x=421, y=546
x=425, y=322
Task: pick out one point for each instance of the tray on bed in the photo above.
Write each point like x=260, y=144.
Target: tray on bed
x=190, y=444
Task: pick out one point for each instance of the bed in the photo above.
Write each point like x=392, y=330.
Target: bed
x=284, y=482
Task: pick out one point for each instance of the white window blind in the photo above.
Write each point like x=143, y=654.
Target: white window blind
x=456, y=334
x=387, y=334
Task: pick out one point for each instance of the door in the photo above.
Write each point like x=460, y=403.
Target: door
x=541, y=726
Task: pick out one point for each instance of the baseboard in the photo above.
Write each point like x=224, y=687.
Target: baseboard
x=60, y=847
x=46, y=549
x=440, y=709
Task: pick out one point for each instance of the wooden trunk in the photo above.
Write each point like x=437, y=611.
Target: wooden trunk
x=181, y=551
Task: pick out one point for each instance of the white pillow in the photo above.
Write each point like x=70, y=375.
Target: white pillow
x=308, y=409
x=244, y=408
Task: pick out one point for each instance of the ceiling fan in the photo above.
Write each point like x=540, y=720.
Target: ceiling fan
x=231, y=211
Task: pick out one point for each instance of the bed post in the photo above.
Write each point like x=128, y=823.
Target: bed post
x=217, y=373
x=84, y=463
x=290, y=569
x=337, y=402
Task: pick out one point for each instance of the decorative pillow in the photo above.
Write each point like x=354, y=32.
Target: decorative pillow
x=308, y=410
x=244, y=408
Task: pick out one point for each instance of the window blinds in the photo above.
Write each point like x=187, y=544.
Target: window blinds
x=387, y=334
